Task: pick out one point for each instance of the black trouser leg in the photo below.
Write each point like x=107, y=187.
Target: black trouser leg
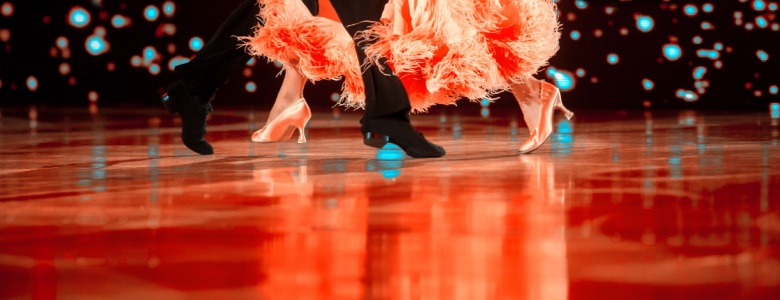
x=220, y=58
x=386, y=98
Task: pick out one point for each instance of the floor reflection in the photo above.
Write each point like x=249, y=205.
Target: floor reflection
x=653, y=204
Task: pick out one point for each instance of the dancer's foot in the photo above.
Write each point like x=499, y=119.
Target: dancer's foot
x=539, y=104
x=405, y=136
x=193, y=117
x=282, y=126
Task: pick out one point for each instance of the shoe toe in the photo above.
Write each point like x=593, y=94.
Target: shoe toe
x=202, y=147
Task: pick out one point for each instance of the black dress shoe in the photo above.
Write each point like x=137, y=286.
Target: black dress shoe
x=193, y=117
x=405, y=136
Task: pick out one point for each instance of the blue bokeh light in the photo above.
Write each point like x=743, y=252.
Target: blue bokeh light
x=761, y=22
x=688, y=96
x=96, y=45
x=120, y=21
x=196, y=43
x=759, y=5
x=169, y=8
x=762, y=55
x=613, y=59
x=672, y=52
x=563, y=79
x=575, y=35
x=699, y=72
x=79, y=17
x=690, y=10
x=151, y=13
x=648, y=84
x=711, y=54
x=251, y=87
x=150, y=54
x=177, y=61
x=62, y=42
x=32, y=83
x=645, y=23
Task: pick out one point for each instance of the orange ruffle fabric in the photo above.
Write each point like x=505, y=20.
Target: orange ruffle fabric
x=318, y=48
x=444, y=50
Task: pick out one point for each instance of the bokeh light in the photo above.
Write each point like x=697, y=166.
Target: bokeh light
x=705, y=46
x=613, y=59
x=672, y=52
x=762, y=55
x=688, y=96
x=648, y=84
x=79, y=17
x=177, y=61
x=64, y=69
x=169, y=8
x=196, y=43
x=251, y=87
x=96, y=45
x=690, y=10
x=62, y=42
x=32, y=83
x=5, y=35
x=92, y=96
x=7, y=9
x=120, y=21
x=563, y=79
x=645, y=23
x=699, y=72
x=575, y=35
x=151, y=13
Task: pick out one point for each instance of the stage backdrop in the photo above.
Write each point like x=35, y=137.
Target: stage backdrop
x=614, y=54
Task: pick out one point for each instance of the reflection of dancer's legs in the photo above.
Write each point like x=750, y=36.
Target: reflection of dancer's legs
x=387, y=105
x=219, y=59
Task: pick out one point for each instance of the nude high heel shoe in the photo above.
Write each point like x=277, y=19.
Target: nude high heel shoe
x=283, y=126
x=541, y=113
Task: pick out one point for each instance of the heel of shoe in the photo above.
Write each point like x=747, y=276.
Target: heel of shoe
x=301, y=133
x=559, y=106
x=375, y=140
x=168, y=102
x=301, y=126
x=301, y=136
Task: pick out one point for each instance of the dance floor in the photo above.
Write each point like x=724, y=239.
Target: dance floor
x=617, y=205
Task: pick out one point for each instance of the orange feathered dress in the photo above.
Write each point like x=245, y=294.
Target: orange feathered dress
x=442, y=50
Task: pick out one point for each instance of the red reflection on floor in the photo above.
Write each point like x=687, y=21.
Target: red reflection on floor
x=617, y=205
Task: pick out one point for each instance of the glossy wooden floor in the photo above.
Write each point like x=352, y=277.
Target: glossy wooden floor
x=618, y=205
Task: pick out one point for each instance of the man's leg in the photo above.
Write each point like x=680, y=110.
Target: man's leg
x=387, y=104
x=218, y=60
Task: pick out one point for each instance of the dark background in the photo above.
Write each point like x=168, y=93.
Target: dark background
x=743, y=82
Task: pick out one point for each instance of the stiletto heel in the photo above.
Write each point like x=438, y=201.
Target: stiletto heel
x=284, y=125
x=559, y=106
x=301, y=134
x=550, y=98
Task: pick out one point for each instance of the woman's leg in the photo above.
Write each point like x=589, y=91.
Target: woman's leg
x=290, y=92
